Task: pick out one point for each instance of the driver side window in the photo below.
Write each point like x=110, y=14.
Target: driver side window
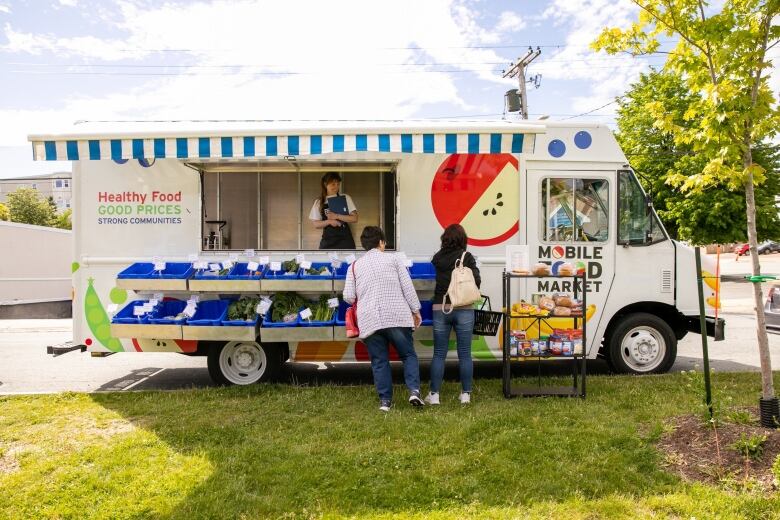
x=575, y=210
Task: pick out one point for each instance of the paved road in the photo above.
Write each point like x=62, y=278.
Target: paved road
x=26, y=368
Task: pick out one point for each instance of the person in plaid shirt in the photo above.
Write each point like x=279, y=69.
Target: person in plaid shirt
x=388, y=310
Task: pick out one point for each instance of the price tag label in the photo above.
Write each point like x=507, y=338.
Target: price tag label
x=266, y=299
x=306, y=264
x=153, y=302
x=200, y=264
x=227, y=264
x=300, y=258
x=194, y=298
x=158, y=296
x=159, y=266
x=349, y=259
x=148, y=307
x=139, y=310
x=335, y=264
x=276, y=266
x=249, y=253
x=189, y=310
x=262, y=307
x=263, y=260
x=333, y=303
x=305, y=313
x=193, y=257
x=214, y=267
x=112, y=308
x=252, y=266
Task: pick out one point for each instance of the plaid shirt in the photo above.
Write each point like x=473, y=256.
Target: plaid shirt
x=385, y=294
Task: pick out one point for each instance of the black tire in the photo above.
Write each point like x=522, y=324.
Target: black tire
x=641, y=343
x=265, y=362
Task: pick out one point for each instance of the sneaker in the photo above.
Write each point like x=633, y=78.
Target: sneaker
x=432, y=398
x=384, y=405
x=465, y=398
x=415, y=400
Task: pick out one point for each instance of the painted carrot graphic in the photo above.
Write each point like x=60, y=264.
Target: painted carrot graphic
x=98, y=321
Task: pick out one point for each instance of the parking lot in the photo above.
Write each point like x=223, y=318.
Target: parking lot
x=26, y=368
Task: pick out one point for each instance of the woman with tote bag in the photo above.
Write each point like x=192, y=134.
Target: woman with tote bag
x=446, y=317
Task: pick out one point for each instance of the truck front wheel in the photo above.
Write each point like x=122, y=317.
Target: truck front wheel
x=244, y=362
x=641, y=343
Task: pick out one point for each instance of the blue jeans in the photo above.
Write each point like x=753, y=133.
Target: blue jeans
x=378, y=345
x=462, y=320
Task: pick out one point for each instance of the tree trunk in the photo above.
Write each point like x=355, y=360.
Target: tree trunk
x=767, y=385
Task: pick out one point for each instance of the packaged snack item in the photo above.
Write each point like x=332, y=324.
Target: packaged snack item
x=563, y=300
x=525, y=346
x=567, y=346
x=541, y=269
x=556, y=344
x=561, y=311
x=534, y=347
x=544, y=346
x=545, y=302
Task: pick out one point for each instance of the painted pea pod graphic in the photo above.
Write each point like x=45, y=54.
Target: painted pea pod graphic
x=98, y=321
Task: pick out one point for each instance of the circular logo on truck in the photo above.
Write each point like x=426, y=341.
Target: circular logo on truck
x=481, y=193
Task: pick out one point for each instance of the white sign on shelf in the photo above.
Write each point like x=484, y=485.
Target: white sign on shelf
x=249, y=253
x=159, y=266
x=158, y=296
x=200, y=264
x=276, y=266
x=306, y=264
x=139, y=310
x=189, y=310
x=153, y=302
x=263, y=260
x=305, y=313
x=214, y=267
x=517, y=258
x=262, y=307
x=252, y=266
x=300, y=258
x=194, y=298
x=333, y=303
x=227, y=264
x=349, y=259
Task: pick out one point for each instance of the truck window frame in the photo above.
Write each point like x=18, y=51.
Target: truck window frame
x=651, y=215
x=542, y=231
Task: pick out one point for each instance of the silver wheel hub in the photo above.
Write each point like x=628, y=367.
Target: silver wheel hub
x=643, y=348
x=242, y=363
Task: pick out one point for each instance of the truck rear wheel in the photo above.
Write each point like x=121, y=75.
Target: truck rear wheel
x=641, y=343
x=244, y=362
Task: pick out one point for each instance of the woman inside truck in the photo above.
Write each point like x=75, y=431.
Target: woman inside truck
x=333, y=212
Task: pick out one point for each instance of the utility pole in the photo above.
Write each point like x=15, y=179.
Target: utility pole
x=518, y=71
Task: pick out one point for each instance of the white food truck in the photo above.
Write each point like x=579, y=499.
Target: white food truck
x=156, y=195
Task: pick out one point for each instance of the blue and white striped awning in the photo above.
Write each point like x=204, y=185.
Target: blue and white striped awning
x=258, y=146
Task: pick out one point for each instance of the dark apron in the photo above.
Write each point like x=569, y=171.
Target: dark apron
x=336, y=238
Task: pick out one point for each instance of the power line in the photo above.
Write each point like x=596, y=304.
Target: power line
x=591, y=111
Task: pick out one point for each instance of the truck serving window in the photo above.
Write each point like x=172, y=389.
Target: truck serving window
x=637, y=222
x=270, y=209
x=575, y=210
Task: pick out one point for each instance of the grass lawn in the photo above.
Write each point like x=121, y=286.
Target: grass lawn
x=285, y=451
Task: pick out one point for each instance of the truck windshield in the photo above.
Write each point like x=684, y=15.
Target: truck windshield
x=636, y=225
x=575, y=210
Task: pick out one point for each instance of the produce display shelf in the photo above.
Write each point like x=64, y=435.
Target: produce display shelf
x=146, y=331
x=152, y=284
x=282, y=334
x=220, y=333
x=225, y=285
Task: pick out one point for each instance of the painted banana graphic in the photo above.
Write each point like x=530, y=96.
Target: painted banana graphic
x=713, y=283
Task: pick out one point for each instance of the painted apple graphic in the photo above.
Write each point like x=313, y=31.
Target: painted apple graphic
x=479, y=192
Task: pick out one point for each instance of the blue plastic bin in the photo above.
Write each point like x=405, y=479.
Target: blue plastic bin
x=126, y=314
x=175, y=271
x=312, y=323
x=240, y=271
x=239, y=323
x=205, y=274
x=422, y=271
x=426, y=312
x=281, y=275
x=137, y=270
x=275, y=324
x=165, y=309
x=341, y=313
x=209, y=313
x=341, y=272
x=316, y=265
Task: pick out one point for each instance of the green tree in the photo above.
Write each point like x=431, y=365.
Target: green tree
x=4, y=213
x=27, y=207
x=63, y=220
x=722, y=54
x=715, y=214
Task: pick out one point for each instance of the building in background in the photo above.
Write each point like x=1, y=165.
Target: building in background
x=58, y=186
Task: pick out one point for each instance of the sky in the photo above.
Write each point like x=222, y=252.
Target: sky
x=63, y=61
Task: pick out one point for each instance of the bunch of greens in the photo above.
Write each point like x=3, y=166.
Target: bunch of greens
x=290, y=266
x=243, y=310
x=286, y=305
x=321, y=311
x=318, y=270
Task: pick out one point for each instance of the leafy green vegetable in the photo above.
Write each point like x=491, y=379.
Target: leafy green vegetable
x=290, y=266
x=243, y=309
x=321, y=311
x=318, y=270
x=286, y=304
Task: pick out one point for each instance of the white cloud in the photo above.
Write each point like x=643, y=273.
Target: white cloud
x=362, y=60
x=68, y=3
x=5, y=9
x=509, y=21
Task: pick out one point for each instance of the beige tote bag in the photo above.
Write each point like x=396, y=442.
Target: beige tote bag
x=463, y=289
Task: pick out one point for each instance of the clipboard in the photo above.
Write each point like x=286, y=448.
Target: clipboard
x=338, y=204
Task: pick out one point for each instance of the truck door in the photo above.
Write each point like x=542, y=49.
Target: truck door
x=569, y=220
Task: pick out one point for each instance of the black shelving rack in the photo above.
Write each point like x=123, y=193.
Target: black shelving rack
x=578, y=361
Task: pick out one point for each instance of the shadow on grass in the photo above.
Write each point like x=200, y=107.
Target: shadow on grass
x=325, y=449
